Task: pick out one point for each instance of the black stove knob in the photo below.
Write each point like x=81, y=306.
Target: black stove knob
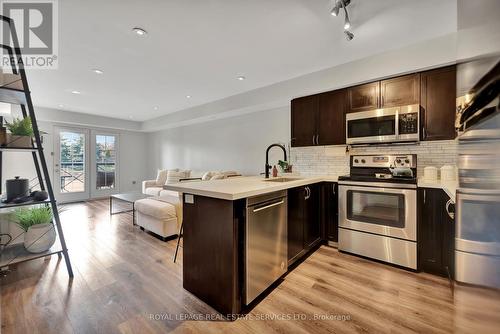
x=363, y=160
x=407, y=161
x=398, y=161
x=356, y=160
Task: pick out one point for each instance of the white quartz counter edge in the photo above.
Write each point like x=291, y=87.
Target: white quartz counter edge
x=449, y=187
x=242, y=187
x=248, y=186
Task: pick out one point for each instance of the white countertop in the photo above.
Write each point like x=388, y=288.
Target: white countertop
x=235, y=188
x=449, y=187
x=247, y=186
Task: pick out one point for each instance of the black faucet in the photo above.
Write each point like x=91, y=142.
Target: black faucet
x=268, y=167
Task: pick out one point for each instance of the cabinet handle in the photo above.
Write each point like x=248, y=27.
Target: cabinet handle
x=451, y=214
x=424, y=135
x=313, y=140
x=308, y=193
x=333, y=189
x=424, y=195
x=317, y=139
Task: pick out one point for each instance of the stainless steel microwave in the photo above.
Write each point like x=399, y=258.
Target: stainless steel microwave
x=398, y=124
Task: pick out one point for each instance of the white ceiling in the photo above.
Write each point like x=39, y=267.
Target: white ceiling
x=199, y=47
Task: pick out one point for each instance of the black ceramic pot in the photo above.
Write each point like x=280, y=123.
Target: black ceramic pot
x=17, y=187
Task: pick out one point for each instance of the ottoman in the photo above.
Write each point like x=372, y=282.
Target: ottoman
x=158, y=216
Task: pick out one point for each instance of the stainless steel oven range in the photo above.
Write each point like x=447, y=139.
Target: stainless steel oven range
x=378, y=209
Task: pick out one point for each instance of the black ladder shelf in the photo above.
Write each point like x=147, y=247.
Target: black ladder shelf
x=14, y=89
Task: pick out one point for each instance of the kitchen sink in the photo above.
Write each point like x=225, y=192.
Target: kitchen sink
x=282, y=179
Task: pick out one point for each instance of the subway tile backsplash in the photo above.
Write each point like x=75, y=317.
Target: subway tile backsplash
x=332, y=160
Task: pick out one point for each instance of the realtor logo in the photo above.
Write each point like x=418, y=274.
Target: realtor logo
x=35, y=23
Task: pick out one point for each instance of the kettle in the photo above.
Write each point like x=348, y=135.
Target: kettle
x=17, y=187
x=401, y=171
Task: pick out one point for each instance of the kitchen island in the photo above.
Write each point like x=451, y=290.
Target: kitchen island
x=216, y=227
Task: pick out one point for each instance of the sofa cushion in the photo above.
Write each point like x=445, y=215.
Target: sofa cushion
x=153, y=191
x=155, y=208
x=168, y=194
x=161, y=176
x=176, y=176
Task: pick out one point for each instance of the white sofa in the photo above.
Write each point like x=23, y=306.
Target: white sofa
x=162, y=213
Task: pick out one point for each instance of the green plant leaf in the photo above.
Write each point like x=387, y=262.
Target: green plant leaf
x=26, y=218
x=20, y=127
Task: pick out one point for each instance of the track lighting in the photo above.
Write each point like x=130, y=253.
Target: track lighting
x=338, y=4
x=347, y=22
x=335, y=10
x=348, y=35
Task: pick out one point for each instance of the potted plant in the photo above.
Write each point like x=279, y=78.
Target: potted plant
x=39, y=229
x=21, y=132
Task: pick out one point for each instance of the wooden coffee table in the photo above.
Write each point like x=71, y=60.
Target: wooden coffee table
x=127, y=198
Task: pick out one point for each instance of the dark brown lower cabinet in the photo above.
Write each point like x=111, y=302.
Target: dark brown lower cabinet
x=436, y=233
x=304, y=228
x=329, y=211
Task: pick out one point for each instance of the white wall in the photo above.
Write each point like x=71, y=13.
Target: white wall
x=237, y=143
x=132, y=157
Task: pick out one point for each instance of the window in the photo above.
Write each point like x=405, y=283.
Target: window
x=105, y=161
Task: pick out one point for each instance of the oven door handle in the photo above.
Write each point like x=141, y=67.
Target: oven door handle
x=448, y=204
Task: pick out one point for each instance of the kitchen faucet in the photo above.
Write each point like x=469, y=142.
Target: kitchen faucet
x=268, y=167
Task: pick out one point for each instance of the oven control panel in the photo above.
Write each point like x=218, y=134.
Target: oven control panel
x=384, y=161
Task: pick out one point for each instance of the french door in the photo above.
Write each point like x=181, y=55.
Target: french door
x=71, y=164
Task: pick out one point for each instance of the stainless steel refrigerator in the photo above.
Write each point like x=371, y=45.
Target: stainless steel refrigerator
x=477, y=243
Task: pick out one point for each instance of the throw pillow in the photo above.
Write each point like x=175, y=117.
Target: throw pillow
x=161, y=177
x=207, y=176
x=218, y=176
x=176, y=176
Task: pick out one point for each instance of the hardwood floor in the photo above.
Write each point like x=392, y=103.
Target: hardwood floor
x=125, y=282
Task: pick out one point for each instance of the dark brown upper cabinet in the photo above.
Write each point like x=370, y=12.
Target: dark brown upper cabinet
x=303, y=120
x=331, y=118
x=438, y=100
x=319, y=119
x=400, y=91
x=363, y=97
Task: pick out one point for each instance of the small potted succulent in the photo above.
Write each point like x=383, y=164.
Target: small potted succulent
x=39, y=228
x=21, y=132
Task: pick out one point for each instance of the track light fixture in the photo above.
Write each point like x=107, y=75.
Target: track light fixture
x=342, y=4
x=348, y=35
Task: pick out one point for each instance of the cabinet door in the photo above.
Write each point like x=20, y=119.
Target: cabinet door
x=295, y=221
x=331, y=118
x=438, y=100
x=400, y=91
x=329, y=211
x=312, y=224
x=363, y=97
x=436, y=233
x=303, y=120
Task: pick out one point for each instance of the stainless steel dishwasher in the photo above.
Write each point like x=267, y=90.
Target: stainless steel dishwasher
x=265, y=242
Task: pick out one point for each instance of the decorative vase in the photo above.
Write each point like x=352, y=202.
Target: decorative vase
x=18, y=141
x=39, y=238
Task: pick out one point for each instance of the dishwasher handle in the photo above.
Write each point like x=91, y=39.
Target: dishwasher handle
x=265, y=207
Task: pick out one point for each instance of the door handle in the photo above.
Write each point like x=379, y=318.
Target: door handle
x=268, y=206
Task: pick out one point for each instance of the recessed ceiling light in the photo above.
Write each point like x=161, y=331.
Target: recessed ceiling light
x=131, y=117
x=61, y=105
x=241, y=78
x=97, y=71
x=188, y=96
x=77, y=92
x=156, y=108
x=139, y=31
